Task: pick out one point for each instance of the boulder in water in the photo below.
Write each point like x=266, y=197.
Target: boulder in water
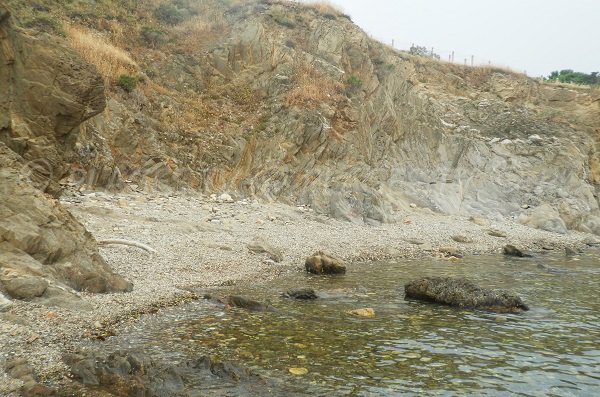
x=462, y=293
x=511, y=250
x=302, y=294
x=248, y=304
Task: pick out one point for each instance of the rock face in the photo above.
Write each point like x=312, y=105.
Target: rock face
x=45, y=254
x=470, y=141
x=323, y=263
x=462, y=293
x=338, y=122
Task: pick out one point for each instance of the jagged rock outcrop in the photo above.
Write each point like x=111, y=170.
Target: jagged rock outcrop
x=47, y=92
x=454, y=139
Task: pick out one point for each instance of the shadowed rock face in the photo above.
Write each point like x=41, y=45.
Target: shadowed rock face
x=47, y=92
x=462, y=293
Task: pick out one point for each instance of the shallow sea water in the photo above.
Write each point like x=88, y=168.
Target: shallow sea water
x=407, y=348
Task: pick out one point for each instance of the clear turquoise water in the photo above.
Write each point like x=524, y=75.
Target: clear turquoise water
x=408, y=348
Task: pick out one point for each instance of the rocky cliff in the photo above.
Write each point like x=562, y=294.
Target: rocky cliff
x=295, y=103
x=46, y=93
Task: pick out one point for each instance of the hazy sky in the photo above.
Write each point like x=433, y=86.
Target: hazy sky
x=537, y=36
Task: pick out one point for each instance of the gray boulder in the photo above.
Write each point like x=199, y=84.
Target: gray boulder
x=261, y=246
x=462, y=293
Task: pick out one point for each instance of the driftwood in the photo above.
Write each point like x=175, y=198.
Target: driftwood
x=136, y=244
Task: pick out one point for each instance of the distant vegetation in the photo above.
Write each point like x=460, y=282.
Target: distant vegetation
x=423, y=51
x=569, y=76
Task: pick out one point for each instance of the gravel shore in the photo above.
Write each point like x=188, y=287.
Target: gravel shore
x=203, y=241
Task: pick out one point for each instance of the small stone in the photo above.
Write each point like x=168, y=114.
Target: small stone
x=366, y=312
x=461, y=239
x=535, y=138
x=5, y=303
x=496, y=233
x=570, y=251
x=450, y=251
x=412, y=205
x=298, y=371
x=33, y=338
x=478, y=220
x=226, y=198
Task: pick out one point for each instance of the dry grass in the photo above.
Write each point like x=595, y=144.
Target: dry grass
x=312, y=88
x=325, y=7
x=110, y=61
x=196, y=32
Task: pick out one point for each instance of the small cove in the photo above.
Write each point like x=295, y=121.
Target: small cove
x=408, y=348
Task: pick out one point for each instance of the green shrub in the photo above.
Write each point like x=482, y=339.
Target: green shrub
x=153, y=37
x=170, y=14
x=354, y=82
x=127, y=82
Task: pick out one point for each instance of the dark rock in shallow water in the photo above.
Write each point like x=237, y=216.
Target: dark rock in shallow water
x=323, y=263
x=248, y=304
x=302, y=294
x=131, y=373
x=462, y=293
x=570, y=251
x=511, y=250
x=128, y=374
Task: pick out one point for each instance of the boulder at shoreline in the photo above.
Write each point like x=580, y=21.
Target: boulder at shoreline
x=460, y=292
x=323, y=263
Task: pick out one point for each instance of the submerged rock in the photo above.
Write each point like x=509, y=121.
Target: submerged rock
x=132, y=373
x=302, y=294
x=511, y=250
x=462, y=293
x=323, y=263
x=570, y=251
x=365, y=312
x=248, y=304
